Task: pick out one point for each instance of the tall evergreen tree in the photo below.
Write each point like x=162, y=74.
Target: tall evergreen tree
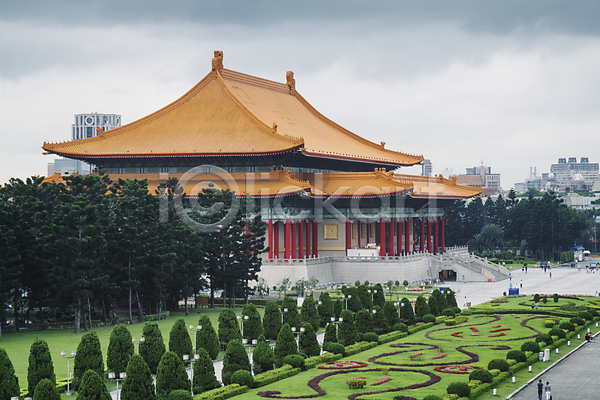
x=253, y=327
x=450, y=298
x=391, y=314
x=308, y=341
x=421, y=307
x=89, y=356
x=9, y=383
x=380, y=325
x=308, y=312
x=330, y=335
x=325, y=309
x=92, y=387
x=291, y=316
x=171, y=374
x=46, y=390
x=407, y=313
x=379, y=297
x=433, y=306
x=206, y=338
x=138, y=382
x=204, y=373
x=234, y=360
x=153, y=347
x=180, y=342
x=272, y=320
x=120, y=349
x=337, y=308
x=40, y=365
x=228, y=327
x=263, y=357
x=364, y=321
x=364, y=296
x=347, y=333
x=440, y=300
x=286, y=343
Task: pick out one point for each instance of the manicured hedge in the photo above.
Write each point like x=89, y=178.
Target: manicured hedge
x=390, y=337
x=312, y=362
x=459, y=319
x=222, y=393
x=358, y=347
x=275, y=375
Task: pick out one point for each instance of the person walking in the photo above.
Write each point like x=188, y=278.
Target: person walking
x=540, y=388
x=521, y=284
x=548, y=391
x=550, y=274
x=510, y=276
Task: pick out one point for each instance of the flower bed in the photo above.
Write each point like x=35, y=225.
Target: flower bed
x=498, y=335
x=439, y=356
x=379, y=382
x=500, y=330
x=474, y=329
x=343, y=365
x=415, y=356
x=457, y=334
x=457, y=369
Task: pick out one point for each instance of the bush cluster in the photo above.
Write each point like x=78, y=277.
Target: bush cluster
x=517, y=355
x=462, y=389
x=499, y=363
x=482, y=375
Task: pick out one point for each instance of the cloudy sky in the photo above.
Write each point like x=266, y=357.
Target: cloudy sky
x=514, y=84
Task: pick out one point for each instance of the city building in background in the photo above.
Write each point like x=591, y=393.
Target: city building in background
x=426, y=168
x=483, y=178
x=566, y=176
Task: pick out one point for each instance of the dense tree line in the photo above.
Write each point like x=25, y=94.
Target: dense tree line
x=82, y=249
x=540, y=223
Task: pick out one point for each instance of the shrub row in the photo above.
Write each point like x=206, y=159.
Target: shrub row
x=312, y=362
x=456, y=320
x=358, y=347
x=275, y=375
x=154, y=317
x=222, y=393
x=419, y=327
x=390, y=337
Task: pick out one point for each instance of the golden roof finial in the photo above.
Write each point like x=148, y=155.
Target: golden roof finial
x=100, y=130
x=274, y=127
x=217, y=61
x=291, y=82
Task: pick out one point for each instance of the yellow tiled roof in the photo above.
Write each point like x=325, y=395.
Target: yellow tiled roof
x=439, y=187
x=230, y=113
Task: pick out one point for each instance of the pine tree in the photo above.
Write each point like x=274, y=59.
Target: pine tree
x=235, y=359
x=330, y=335
x=364, y=296
x=347, y=334
x=263, y=357
x=380, y=325
x=206, y=338
x=325, y=309
x=308, y=312
x=89, y=356
x=421, y=307
x=406, y=312
x=40, y=365
x=253, y=327
x=180, y=342
x=46, y=390
x=138, y=382
x=391, y=314
x=354, y=302
x=337, y=308
x=9, y=383
x=272, y=320
x=171, y=374
x=153, y=346
x=286, y=343
x=180, y=395
x=379, y=297
x=433, y=306
x=120, y=349
x=308, y=341
x=440, y=300
x=364, y=321
x=291, y=316
x=450, y=298
x=228, y=327
x=92, y=387
x=204, y=373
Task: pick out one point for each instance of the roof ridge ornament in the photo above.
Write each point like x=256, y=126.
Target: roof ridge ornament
x=217, y=61
x=290, y=82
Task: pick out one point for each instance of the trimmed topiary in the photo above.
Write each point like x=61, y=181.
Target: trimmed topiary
x=363, y=321
x=234, y=360
x=586, y=315
x=295, y=360
x=153, y=346
x=330, y=335
x=482, y=375
x=336, y=348
x=462, y=389
x=263, y=358
x=291, y=316
x=325, y=309
x=120, y=349
x=390, y=312
x=89, y=356
x=46, y=390
x=272, y=320
x=421, y=307
x=370, y=337
x=9, y=383
x=544, y=338
x=456, y=310
x=253, y=327
x=536, y=298
x=401, y=327
x=380, y=324
x=204, y=373
x=180, y=395
x=40, y=365
x=171, y=374
x=286, y=343
x=308, y=313
x=138, y=383
x=229, y=328
x=557, y=332
x=92, y=387
x=448, y=312
x=309, y=344
x=577, y=321
x=347, y=333
x=243, y=378
x=427, y=318
x=206, y=338
x=517, y=355
x=555, y=297
x=180, y=342
x=549, y=322
x=530, y=346
x=567, y=326
x=498, y=363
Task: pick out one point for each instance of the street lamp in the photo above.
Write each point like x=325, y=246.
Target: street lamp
x=346, y=298
x=246, y=318
x=372, y=292
x=187, y=358
x=195, y=329
x=142, y=340
x=336, y=324
x=298, y=333
x=121, y=378
x=68, y=357
x=284, y=311
x=399, y=305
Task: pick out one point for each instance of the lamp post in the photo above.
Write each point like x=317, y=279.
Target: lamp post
x=372, y=292
x=346, y=298
x=284, y=311
x=399, y=305
x=336, y=324
x=142, y=340
x=298, y=333
x=187, y=358
x=246, y=318
x=250, y=346
x=195, y=329
x=121, y=378
x=68, y=357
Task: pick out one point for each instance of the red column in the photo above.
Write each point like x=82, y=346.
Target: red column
x=301, y=240
x=422, y=232
x=391, y=237
x=270, y=237
x=435, y=235
x=293, y=238
x=443, y=244
x=381, y=237
x=359, y=231
x=288, y=233
x=348, y=235
x=308, y=233
x=407, y=235
x=414, y=228
x=276, y=240
x=315, y=239
x=399, y=236
x=429, y=235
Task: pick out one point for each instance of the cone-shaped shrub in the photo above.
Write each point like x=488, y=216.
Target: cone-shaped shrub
x=46, y=390
x=206, y=338
x=407, y=314
x=325, y=309
x=440, y=299
x=180, y=395
x=309, y=344
x=364, y=321
x=390, y=312
x=234, y=360
x=364, y=296
x=138, y=383
x=204, y=373
x=263, y=357
x=379, y=297
x=92, y=387
x=253, y=325
x=120, y=349
x=380, y=325
x=347, y=334
x=171, y=374
x=337, y=308
x=228, y=327
x=153, y=347
x=9, y=383
x=433, y=306
x=40, y=365
x=286, y=343
x=180, y=342
x=89, y=356
x=450, y=297
x=421, y=307
x=354, y=303
x=272, y=320
x=330, y=335
x=308, y=312
x=291, y=316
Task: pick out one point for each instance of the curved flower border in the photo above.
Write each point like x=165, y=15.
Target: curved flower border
x=343, y=365
x=462, y=369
